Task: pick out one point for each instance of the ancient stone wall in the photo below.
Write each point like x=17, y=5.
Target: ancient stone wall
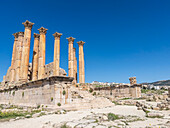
x=120, y=91
x=48, y=91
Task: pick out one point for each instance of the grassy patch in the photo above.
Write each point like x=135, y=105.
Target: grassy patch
x=112, y=117
x=64, y=126
x=154, y=116
x=116, y=103
x=125, y=98
x=14, y=114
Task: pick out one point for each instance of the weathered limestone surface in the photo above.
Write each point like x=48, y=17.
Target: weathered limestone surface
x=35, y=57
x=45, y=91
x=19, y=47
x=26, y=51
x=41, y=61
x=12, y=74
x=75, y=66
x=81, y=62
x=122, y=91
x=49, y=70
x=56, y=53
x=70, y=57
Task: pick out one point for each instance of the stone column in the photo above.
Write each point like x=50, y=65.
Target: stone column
x=13, y=58
x=25, y=51
x=70, y=57
x=41, y=60
x=56, y=64
x=75, y=65
x=35, y=57
x=81, y=62
x=19, y=46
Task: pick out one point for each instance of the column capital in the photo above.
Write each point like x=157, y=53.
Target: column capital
x=36, y=35
x=80, y=43
x=15, y=35
x=42, y=30
x=20, y=33
x=28, y=24
x=70, y=39
x=57, y=35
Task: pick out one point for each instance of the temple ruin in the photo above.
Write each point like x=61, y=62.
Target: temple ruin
x=38, y=83
x=22, y=71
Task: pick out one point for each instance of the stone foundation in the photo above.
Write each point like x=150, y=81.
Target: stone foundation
x=48, y=91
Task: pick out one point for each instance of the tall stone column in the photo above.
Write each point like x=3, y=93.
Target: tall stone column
x=19, y=46
x=12, y=78
x=41, y=60
x=56, y=64
x=35, y=57
x=25, y=51
x=75, y=65
x=70, y=57
x=81, y=62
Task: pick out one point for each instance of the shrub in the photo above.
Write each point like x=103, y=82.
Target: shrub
x=112, y=116
x=38, y=106
x=22, y=94
x=94, y=93
x=91, y=90
x=64, y=126
x=13, y=93
x=64, y=92
x=59, y=104
x=51, y=99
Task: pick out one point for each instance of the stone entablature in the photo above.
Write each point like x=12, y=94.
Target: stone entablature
x=48, y=91
x=133, y=91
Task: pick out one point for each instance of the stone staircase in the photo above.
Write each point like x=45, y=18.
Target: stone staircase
x=81, y=99
x=85, y=99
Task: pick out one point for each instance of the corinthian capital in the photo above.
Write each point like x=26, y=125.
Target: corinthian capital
x=80, y=43
x=15, y=35
x=36, y=35
x=70, y=39
x=20, y=33
x=28, y=24
x=57, y=35
x=42, y=30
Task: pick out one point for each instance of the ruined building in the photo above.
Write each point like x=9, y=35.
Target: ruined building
x=22, y=71
x=121, y=91
x=34, y=84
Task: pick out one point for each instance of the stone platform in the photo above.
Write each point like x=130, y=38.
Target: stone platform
x=56, y=92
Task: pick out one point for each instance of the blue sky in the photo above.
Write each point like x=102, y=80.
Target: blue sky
x=123, y=38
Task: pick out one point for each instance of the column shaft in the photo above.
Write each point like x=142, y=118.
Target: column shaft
x=19, y=46
x=81, y=62
x=41, y=61
x=35, y=57
x=71, y=57
x=25, y=51
x=56, y=64
x=13, y=58
x=75, y=66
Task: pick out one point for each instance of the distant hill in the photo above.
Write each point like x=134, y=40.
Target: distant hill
x=160, y=83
